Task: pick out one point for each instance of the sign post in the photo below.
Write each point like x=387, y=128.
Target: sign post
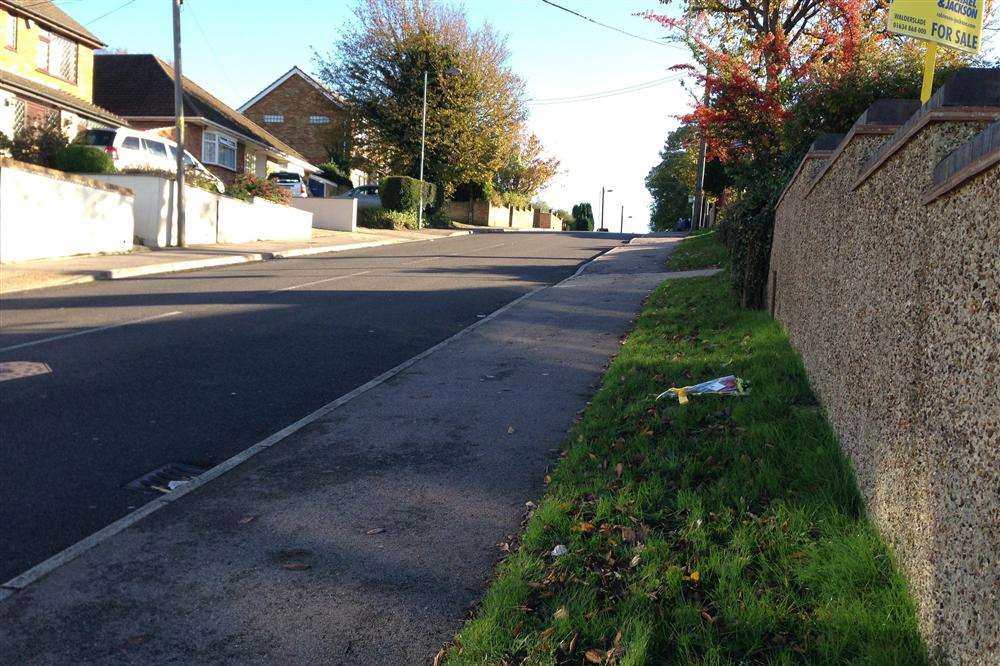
x=955, y=24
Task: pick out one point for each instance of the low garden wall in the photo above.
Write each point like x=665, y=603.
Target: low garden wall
x=483, y=214
x=332, y=214
x=46, y=213
x=209, y=217
x=885, y=270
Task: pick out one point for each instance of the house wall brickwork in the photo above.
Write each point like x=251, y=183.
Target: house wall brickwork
x=297, y=100
x=892, y=303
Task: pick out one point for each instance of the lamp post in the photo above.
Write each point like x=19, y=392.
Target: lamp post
x=450, y=71
x=179, y=126
x=604, y=190
x=621, y=229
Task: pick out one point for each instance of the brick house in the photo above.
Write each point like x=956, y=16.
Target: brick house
x=46, y=70
x=140, y=88
x=307, y=116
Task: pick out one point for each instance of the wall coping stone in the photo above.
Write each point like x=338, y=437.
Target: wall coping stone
x=826, y=142
x=10, y=163
x=971, y=94
x=883, y=117
x=968, y=160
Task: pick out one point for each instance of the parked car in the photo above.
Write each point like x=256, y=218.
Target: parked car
x=290, y=181
x=132, y=149
x=367, y=196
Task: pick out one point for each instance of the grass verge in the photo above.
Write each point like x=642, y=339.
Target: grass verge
x=702, y=250
x=728, y=530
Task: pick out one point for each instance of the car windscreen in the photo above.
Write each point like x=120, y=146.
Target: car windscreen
x=97, y=137
x=286, y=177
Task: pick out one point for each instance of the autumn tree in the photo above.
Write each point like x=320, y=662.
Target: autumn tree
x=475, y=107
x=526, y=168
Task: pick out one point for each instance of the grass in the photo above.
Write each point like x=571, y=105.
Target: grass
x=702, y=250
x=725, y=531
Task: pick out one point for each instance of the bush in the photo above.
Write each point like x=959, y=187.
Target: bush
x=402, y=193
x=77, y=158
x=247, y=186
x=38, y=143
x=746, y=229
x=337, y=174
x=475, y=192
x=380, y=218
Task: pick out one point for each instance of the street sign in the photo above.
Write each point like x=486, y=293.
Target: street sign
x=956, y=24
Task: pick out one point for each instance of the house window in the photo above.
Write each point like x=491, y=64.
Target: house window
x=11, y=32
x=57, y=56
x=319, y=120
x=218, y=149
x=273, y=119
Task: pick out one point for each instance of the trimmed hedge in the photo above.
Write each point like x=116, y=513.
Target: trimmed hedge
x=76, y=158
x=402, y=193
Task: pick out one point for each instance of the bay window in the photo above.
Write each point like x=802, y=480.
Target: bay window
x=218, y=149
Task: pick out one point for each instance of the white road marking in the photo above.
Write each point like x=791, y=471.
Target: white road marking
x=66, y=336
x=309, y=284
x=20, y=369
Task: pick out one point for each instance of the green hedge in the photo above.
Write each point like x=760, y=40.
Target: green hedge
x=83, y=159
x=402, y=193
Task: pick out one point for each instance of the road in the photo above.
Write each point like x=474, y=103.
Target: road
x=194, y=367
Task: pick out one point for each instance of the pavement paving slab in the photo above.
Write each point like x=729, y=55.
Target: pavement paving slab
x=366, y=536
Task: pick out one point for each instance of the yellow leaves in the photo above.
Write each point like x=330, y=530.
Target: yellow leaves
x=595, y=656
x=583, y=527
x=695, y=576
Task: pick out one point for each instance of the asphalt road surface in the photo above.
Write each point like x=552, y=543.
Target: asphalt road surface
x=194, y=367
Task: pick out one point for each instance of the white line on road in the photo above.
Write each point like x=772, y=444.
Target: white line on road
x=89, y=331
x=309, y=284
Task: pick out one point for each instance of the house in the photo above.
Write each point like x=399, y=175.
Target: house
x=306, y=115
x=46, y=69
x=140, y=88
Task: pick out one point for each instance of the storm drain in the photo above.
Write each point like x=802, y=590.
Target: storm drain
x=167, y=478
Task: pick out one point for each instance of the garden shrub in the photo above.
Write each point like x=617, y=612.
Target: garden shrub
x=402, y=193
x=38, y=143
x=380, y=218
x=77, y=158
x=247, y=186
x=337, y=174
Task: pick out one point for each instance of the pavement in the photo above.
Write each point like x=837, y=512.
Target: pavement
x=43, y=273
x=364, y=534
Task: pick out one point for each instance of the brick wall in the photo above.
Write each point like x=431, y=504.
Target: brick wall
x=297, y=100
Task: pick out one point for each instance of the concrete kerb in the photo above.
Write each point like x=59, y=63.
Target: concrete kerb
x=40, y=570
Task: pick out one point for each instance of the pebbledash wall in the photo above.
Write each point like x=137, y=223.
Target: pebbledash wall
x=885, y=270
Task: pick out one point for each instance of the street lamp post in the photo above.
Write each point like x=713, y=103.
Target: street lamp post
x=450, y=71
x=604, y=191
x=621, y=229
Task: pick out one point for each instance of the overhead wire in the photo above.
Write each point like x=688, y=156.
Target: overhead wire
x=587, y=97
x=607, y=26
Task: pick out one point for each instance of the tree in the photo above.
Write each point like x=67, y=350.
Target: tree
x=525, y=170
x=473, y=116
x=583, y=216
x=671, y=182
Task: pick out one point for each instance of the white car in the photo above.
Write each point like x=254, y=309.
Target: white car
x=132, y=149
x=292, y=182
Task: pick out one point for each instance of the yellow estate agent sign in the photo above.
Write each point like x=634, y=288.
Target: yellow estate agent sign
x=957, y=24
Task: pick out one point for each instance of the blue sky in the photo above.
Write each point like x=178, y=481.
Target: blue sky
x=236, y=48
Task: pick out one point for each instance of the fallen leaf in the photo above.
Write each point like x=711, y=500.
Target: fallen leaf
x=247, y=519
x=629, y=535
x=695, y=576
x=510, y=430
x=584, y=527
x=618, y=639
x=635, y=561
x=375, y=530
x=595, y=656
x=561, y=614
x=708, y=617
x=296, y=566
x=439, y=657
x=618, y=470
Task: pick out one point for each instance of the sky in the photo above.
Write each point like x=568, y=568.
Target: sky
x=235, y=48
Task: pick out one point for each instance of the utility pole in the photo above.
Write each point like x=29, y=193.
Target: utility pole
x=699, y=179
x=604, y=191
x=179, y=127
x=621, y=229
x=423, y=146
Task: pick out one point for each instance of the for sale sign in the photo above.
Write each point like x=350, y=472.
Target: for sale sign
x=957, y=24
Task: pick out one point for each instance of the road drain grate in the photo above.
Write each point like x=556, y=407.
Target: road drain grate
x=167, y=478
